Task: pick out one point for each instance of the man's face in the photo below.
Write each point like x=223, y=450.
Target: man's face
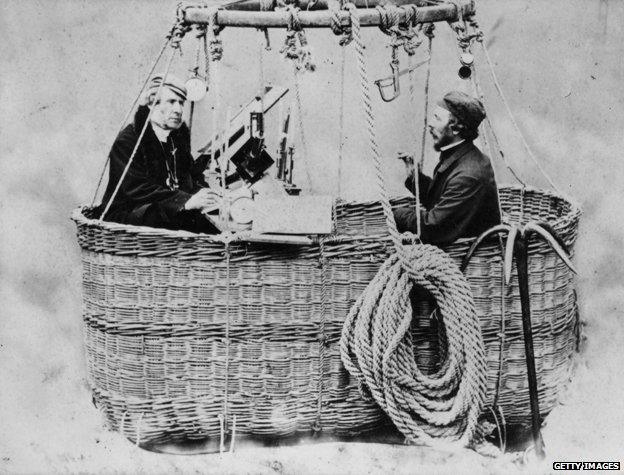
x=440, y=128
x=167, y=112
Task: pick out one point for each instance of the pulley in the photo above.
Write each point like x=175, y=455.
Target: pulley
x=465, y=70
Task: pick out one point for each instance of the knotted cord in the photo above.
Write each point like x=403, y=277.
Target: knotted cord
x=296, y=44
x=376, y=344
x=336, y=25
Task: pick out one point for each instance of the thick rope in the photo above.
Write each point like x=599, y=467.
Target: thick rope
x=376, y=344
x=378, y=350
x=370, y=126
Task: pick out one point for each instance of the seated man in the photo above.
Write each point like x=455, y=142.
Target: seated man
x=461, y=200
x=163, y=187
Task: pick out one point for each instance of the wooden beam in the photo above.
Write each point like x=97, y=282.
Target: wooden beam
x=318, y=18
x=314, y=5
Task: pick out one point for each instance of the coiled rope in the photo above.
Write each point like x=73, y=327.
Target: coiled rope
x=376, y=344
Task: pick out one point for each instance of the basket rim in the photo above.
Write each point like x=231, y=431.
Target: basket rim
x=77, y=215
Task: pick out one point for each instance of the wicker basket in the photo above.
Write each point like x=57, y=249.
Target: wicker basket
x=181, y=328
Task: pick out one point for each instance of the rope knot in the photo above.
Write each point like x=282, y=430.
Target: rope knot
x=215, y=45
x=429, y=30
x=177, y=32
x=296, y=44
x=403, y=32
x=336, y=24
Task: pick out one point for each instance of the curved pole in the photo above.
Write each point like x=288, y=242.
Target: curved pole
x=319, y=18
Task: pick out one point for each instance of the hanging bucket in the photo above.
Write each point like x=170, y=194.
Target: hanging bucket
x=181, y=328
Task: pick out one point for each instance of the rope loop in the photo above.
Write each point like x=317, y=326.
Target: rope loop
x=377, y=347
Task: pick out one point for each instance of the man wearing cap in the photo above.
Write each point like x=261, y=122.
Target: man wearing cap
x=461, y=199
x=163, y=186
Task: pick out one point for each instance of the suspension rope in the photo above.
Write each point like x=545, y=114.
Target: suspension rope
x=343, y=60
x=371, y=129
x=486, y=142
x=481, y=95
x=138, y=142
x=414, y=144
x=302, y=135
x=195, y=70
x=513, y=120
x=322, y=264
x=227, y=335
x=296, y=49
x=376, y=344
x=129, y=112
x=261, y=80
x=214, y=53
x=428, y=31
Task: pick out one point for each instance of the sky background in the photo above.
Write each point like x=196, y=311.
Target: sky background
x=70, y=70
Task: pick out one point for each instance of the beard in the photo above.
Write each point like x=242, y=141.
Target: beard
x=441, y=141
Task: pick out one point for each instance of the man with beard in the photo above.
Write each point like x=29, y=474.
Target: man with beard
x=163, y=186
x=461, y=199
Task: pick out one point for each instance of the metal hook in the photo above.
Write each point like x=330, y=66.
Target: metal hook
x=393, y=81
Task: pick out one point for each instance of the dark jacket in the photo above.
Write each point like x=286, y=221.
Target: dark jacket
x=144, y=197
x=461, y=200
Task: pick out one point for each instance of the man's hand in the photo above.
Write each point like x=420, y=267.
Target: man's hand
x=203, y=199
x=408, y=161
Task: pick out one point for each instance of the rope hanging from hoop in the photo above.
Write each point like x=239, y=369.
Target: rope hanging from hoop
x=176, y=35
x=296, y=44
x=376, y=343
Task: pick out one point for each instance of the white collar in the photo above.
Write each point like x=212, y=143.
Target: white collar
x=450, y=146
x=161, y=133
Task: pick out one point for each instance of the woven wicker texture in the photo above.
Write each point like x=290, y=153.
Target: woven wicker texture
x=177, y=334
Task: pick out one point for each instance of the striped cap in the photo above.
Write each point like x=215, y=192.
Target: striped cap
x=172, y=82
